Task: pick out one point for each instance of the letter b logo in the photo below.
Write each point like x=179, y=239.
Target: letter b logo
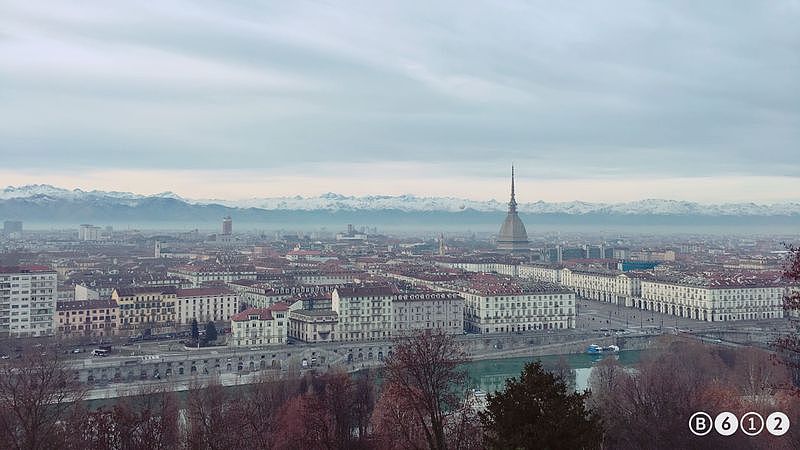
x=700, y=423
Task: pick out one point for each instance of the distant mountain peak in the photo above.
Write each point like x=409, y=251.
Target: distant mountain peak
x=332, y=201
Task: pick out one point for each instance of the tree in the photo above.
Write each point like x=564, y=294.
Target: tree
x=260, y=407
x=212, y=419
x=604, y=380
x=195, y=330
x=649, y=407
x=788, y=346
x=422, y=377
x=37, y=396
x=539, y=411
x=211, y=332
x=326, y=416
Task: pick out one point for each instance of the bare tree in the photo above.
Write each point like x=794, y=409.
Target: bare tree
x=788, y=346
x=604, y=381
x=328, y=415
x=147, y=419
x=37, y=395
x=212, y=420
x=260, y=404
x=424, y=376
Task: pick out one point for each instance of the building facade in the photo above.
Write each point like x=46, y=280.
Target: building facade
x=97, y=318
x=712, y=303
x=381, y=312
x=365, y=312
x=145, y=307
x=442, y=311
x=540, y=272
x=506, y=309
x=316, y=325
x=205, y=304
x=200, y=275
x=27, y=301
x=260, y=326
x=607, y=286
x=88, y=232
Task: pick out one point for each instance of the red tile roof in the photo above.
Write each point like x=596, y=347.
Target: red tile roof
x=262, y=313
x=24, y=269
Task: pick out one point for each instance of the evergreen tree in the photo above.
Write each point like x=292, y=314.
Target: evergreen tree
x=195, y=330
x=539, y=411
x=211, y=332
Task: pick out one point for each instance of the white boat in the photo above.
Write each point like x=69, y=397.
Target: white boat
x=595, y=349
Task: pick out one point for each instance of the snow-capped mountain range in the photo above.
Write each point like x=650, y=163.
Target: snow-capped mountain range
x=43, y=193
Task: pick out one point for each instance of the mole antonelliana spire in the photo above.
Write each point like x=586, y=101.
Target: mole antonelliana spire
x=513, y=236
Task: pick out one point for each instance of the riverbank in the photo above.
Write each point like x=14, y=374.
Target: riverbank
x=477, y=348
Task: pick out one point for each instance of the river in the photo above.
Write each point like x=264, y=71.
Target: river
x=490, y=375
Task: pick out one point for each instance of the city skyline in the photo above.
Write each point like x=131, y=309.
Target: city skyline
x=684, y=101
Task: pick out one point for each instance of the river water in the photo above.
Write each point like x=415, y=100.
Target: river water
x=491, y=375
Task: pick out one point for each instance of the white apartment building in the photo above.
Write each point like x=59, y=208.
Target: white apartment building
x=416, y=311
x=612, y=286
x=205, y=304
x=200, y=275
x=313, y=325
x=540, y=272
x=380, y=312
x=365, y=312
x=505, y=308
x=27, y=301
x=510, y=270
x=260, y=326
x=712, y=302
x=88, y=232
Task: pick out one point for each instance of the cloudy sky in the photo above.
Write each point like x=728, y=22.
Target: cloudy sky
x=596, y=101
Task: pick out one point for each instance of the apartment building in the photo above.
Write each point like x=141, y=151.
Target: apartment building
x=97, y=318
x=204, y=274
x=713, y=300
x=504, y=306
x=605, y=286
x=260, y=326
x=205, y=304
x=428, y=310
x=382, y=312
x=146, y=306
x=365, y=312
x=27, y=301
x=314, y=325
x=540, y=272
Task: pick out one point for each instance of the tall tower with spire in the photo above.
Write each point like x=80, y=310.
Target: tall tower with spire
x=512, y=236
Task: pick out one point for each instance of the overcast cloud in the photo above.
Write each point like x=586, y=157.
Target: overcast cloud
x=314, y=94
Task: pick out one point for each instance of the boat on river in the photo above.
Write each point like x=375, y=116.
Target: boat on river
x=595, y=349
